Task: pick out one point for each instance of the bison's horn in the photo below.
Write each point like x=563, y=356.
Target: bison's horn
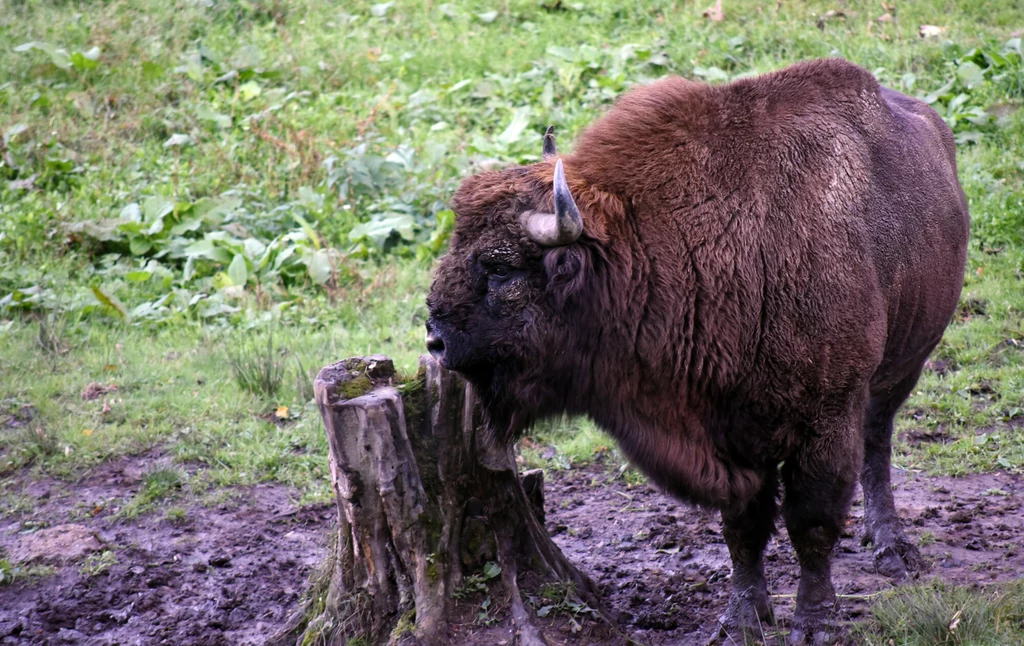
x=549, y=151
x=562, y=227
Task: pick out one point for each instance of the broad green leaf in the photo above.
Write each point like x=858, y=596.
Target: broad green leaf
x=311, y=198
x=237, y=270
x=249, y=91
x=247, y=57
x=13, y=132
x=378, y=231
x=140, y=246
x=547, y=96
x=188, y=226
x=970, y=74
x=58, y=57
x=562, y=52
x=212, y=208
x=308, y=228
x=445, y=222
x=711, y=74
x=110, y=301
x=190, y=269
x=204, y=113
x=138, y=276
x=131, y=213
x=86, y=60
x=156, y=207
x=938, y=94
x=222, y=280
x=319, y=267
x=253, y=248
x=288, y=252
x=520, y=119
x=491, y=570
x=102, y=230
x=207, y=249
x=177, y=140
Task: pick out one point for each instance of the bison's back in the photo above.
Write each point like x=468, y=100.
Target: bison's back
x=805, y=230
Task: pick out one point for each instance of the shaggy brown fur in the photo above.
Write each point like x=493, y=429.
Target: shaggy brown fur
x=764, y=268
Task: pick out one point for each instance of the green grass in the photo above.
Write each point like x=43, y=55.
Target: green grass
x=11, y=573
x=307, y=188
x=175, y=392
x=937, y=613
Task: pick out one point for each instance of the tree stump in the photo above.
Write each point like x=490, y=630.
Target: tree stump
x=427, y=507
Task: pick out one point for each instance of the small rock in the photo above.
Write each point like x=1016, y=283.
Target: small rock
x=585, y=532
x=56, y=545
x=239, y=617
x=70, y=636
x=962, y=516
x=221, y=560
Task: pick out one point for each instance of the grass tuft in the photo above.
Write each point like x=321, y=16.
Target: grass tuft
x=938, y=613
x=257, y=366
x=157, y=485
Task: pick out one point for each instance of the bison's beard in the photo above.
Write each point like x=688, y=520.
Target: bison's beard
x=513, y=398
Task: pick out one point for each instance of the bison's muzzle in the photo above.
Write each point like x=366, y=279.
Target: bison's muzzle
x=435, y=343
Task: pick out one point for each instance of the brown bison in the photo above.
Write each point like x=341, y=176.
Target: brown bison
x=740, y=283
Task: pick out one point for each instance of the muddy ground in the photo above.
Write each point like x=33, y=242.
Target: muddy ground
x=226, y=574
x=230, y=573
x=664, y=566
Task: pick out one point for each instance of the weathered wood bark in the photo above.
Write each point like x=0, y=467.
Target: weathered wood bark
x=424, y=502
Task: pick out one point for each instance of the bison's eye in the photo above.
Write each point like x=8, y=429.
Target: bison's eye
x=499, y=271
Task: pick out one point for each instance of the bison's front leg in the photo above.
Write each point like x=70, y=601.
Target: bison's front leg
x=746, y=533
x=819, y=483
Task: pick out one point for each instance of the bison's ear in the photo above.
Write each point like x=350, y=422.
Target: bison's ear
x=549, y=149
x=566, y=269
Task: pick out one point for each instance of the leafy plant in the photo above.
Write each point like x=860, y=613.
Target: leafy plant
x=477, y=582
x=13, y=572
x=157, y=485
x=98, y=563
x=561, y=598
x=962, y=99
x=60, y=57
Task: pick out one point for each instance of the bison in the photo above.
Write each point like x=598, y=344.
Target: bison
x=741, y=283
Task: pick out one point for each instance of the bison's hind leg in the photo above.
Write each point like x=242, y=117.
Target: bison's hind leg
x=746, y=533
x=819, y=482
x=895, y=556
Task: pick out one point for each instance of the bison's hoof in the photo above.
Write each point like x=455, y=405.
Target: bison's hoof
x=816, y=624
x=898, y=560
x=810, y=637
x=815, y=633
x=748, y=615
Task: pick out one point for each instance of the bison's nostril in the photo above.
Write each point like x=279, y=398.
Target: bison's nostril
x=434, y=344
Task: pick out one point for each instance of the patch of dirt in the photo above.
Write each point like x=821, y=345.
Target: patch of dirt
x=231, y=574
x=664, y=567
x=228, y=574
